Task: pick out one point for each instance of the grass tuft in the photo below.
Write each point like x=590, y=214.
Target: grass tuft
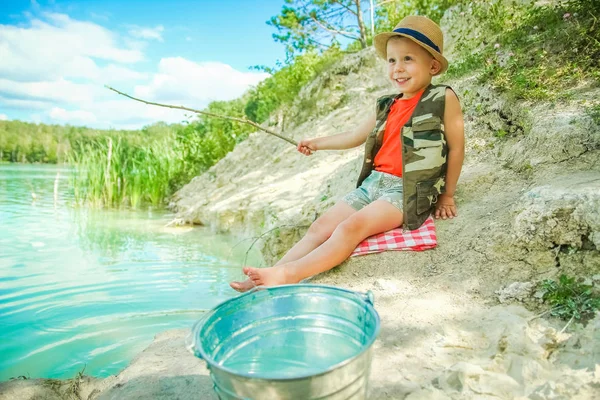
x=570, y=298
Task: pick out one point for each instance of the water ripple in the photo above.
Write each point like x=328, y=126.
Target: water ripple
x=91, y=288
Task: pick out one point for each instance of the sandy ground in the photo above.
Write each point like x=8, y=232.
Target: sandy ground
x=438, y=342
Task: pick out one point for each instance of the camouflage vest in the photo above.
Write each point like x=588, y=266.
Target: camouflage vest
x=424, y=152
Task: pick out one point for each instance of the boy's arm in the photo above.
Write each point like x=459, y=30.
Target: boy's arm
x=341, y=141
x=455, y=138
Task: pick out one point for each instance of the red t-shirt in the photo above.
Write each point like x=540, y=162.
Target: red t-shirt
x=389, y=157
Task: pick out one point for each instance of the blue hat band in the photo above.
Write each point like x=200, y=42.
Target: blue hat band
x=418, y=36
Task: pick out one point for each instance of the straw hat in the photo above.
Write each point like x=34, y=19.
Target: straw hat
x=420, y=30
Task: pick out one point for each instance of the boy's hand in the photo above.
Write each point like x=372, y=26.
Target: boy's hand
x=307, y=147
x=445, y=207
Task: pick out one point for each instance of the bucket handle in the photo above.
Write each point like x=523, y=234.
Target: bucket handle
x=367, y=297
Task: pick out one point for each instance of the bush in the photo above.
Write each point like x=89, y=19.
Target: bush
x=284, y=84
x=570, y=298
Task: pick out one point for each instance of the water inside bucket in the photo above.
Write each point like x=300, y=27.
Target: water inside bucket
x=291, y=348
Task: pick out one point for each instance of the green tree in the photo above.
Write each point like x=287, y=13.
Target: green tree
x=316, y=24
x=389, y=13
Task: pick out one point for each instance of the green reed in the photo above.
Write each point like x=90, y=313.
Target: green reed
x=108, y=172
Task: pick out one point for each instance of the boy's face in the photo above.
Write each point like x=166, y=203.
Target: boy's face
x=410, y=66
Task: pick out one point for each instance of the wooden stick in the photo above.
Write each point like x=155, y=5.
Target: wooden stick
x=241, y=120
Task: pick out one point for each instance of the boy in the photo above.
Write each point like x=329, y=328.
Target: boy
x=413, y=156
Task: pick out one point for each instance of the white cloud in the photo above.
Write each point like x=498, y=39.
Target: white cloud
x=104, y=16
x=59, y=91
x=58, y=47
x=56, y=68
x=3, y=117
x=179, y=79
x=147, y=33
x=135, y=44
x=23, y=104
x=179, y=82
x=117, y=113
x=75, y=116
x=128, y=114
x=117, y=73
x=35, y=118
x=52, y=63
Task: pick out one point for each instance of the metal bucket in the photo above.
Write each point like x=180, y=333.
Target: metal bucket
x=289, y=342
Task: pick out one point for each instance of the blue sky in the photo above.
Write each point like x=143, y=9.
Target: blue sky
x=57, y=55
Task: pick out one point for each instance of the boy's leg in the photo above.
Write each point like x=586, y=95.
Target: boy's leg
x=377, y=217
x=318, y=232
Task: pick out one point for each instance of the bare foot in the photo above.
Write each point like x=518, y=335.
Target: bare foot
x=242, y=286
x=267, y=276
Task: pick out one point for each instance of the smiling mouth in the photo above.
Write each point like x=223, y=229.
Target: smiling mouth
x=402, y=81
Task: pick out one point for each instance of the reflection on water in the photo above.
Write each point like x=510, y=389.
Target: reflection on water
x=91, y=288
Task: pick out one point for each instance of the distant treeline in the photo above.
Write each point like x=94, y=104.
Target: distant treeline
x=40, y=143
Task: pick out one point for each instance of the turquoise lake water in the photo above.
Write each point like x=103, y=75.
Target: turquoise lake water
x=90, y=288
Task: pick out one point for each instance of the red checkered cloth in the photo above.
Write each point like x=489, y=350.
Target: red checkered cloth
x=420, y=239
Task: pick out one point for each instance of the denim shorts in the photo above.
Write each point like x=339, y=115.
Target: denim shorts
x=377, y=186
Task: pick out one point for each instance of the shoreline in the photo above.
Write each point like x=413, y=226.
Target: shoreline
x=431, y=346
